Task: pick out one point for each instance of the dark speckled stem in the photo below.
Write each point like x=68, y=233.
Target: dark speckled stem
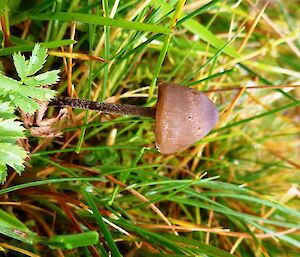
x=123, y=109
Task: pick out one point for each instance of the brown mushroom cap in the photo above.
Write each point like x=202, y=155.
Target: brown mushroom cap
x=183, y=117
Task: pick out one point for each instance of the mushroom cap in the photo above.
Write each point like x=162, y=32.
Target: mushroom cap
x=183, y=117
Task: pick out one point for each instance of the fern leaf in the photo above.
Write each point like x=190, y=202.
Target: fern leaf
x=21, y=65
x=42, y=94
x=46, y=78
x=21, y=94
x=6, y=110
x=10, y=153
x=37, y=59
x=10, y=130
x=8, y=84
x=25, y=103
x=13, y=156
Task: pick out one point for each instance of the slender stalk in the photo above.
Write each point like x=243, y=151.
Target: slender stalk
x=124, y=109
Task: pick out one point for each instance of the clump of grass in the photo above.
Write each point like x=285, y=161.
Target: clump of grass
x=102, y=189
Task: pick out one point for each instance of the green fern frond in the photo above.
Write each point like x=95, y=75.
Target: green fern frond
x=23, y=95
x=46, y=78
x=37, y=60
x=10, y=130
x=20, y=64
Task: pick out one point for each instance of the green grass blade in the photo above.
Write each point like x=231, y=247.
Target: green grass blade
x=211, y=60
x=196, y=28
x=45, y=182
x=165, y=47
x=28, y=47
x=109, y=239
x=201, y=247
x=99, y=20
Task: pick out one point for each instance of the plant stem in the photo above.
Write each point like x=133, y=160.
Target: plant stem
x=123, y=109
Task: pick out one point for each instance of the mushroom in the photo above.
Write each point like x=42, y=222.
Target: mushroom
x=183, y=115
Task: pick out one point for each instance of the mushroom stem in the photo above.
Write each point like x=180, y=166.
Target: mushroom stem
x=123, y=109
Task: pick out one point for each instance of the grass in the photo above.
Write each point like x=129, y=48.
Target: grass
x=102, y=189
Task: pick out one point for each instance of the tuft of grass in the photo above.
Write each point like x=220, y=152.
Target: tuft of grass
x=102, y=189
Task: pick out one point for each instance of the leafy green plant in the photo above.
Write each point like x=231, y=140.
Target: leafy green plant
x=22, y=95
